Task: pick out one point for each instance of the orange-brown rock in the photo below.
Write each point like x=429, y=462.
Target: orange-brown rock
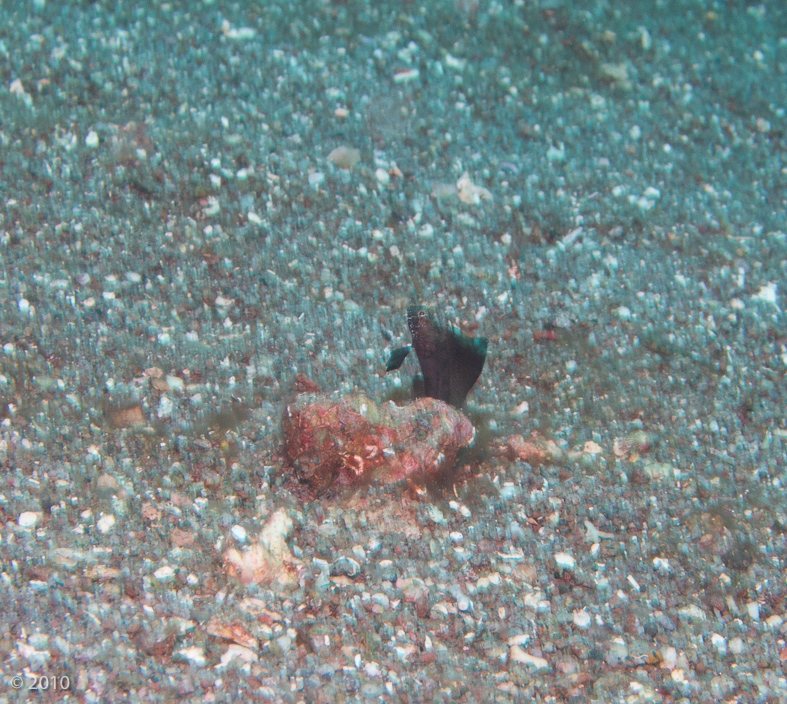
x=350, y=441
x=534, y=450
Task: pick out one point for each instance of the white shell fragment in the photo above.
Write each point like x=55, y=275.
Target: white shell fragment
x=468, y=192
x=106, y=523
x=565, y=561
x=525, y=658
x=345, y=157
x=269, y=560
x=164, y=574
x=194, y=655
x=28, y=519
x=581, y=619
x=767, y=294
x=239, y=533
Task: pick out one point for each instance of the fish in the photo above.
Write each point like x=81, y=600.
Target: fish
x=451, y=361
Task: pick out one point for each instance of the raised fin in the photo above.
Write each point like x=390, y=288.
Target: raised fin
x=468, y=355
x=451, y=361
x=397, y=357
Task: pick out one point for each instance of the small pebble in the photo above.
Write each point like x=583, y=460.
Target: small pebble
x=664, y=621
x=525, y=658
x=381, y=599
x=565, y=561
x=719, y=642
x=692, y=613
x=28, y=519
x=193, y=655
x=617, y=651
x=345, y=566
x=767, y=294
x=485, y=583
x=522, y=408
x=241, y=653
x=372, y=669
x=164, y=574
x=426, y=231
x=406, y=75
x=624, y=313
x=387, y=570
x=669, y=657
x=509, y=491
x=345, y=157
x=106, y=523
x=661, y=564
x=582, y=619
x=284, y=643
x=435, y=514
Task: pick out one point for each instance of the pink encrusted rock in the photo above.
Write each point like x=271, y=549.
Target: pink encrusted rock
x=351, y=441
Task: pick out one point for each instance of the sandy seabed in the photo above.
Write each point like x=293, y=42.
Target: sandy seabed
x=201, y=201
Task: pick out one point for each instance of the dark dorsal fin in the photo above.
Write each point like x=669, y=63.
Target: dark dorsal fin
x=468, y=355
x=451, y=361
x=397, y=357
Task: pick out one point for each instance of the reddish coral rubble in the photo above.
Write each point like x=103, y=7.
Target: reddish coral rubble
x=350, y=441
